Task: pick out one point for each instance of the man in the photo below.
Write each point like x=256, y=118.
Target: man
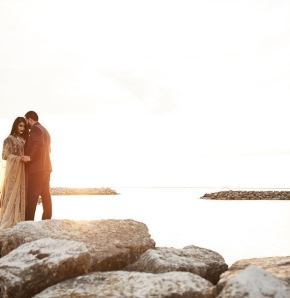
x=38, y=167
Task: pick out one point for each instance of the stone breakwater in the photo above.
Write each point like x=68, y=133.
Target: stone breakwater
x=247, y=195
x=56, y=191
x=118, y=258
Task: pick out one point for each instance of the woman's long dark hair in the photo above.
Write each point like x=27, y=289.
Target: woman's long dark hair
x=14, y=129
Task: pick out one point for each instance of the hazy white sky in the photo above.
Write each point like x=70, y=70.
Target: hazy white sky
x=153, y=92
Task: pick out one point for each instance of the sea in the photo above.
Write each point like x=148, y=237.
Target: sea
x=178, y=217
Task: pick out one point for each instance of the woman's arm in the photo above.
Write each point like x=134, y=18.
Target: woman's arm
x=8, y=150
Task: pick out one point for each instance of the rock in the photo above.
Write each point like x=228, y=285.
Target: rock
x=113, y=244
x=67, y=191
x=36, y=265
x=203, y=262
x=254, y=282
x=132, y=284
x=278, y=266
x=247, y=195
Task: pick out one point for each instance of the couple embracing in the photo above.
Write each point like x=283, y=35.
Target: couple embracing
x=26, y=174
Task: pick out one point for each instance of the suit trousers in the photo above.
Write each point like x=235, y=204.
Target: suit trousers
x=38, y=185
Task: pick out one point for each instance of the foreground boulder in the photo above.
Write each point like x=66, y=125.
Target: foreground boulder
x=278, y=266
x=113, y=244
x=254, y=282
x=203, y=262
x=39, y=264
x=132, y=284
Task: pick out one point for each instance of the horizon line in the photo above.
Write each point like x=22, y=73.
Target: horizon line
x=198, y=187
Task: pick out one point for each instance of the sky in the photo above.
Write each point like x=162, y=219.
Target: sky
x=152, y=93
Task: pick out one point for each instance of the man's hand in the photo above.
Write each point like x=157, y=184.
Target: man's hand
x=25, y=158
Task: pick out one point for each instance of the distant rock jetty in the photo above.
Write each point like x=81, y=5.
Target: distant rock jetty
x=247, y=195
x=63, y=191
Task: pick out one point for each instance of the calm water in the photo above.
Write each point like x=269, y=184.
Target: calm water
x=177, y=217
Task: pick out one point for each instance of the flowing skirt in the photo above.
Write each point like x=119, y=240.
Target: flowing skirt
x=12, y=193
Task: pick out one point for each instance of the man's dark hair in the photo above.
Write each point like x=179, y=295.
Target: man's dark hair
x=32, y=115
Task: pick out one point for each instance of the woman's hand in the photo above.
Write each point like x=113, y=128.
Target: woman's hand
x=25, y=158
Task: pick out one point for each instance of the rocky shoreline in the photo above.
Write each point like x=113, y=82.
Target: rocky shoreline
x=247, y=195
x=64, y=191
x=118, y=258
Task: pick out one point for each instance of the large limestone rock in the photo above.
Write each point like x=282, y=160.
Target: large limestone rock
x=39, y=264
x=120, y=284
x=254, y=282
x=113, y=244
x=204, y=262
x=278, y=266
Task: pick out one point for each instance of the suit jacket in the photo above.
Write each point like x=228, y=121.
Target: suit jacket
x=38, y=148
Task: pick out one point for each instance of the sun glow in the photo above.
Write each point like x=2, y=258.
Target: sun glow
x=195, y=101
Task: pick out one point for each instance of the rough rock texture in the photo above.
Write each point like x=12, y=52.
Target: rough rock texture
x=248, y=195
x=254, y=282
x=203, y=262
x=63, y=191
x=37, y=265
x=278, y=266
x=113, y=244
x=132, y=284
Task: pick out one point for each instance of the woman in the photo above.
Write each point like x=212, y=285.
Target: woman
x=12, y=192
